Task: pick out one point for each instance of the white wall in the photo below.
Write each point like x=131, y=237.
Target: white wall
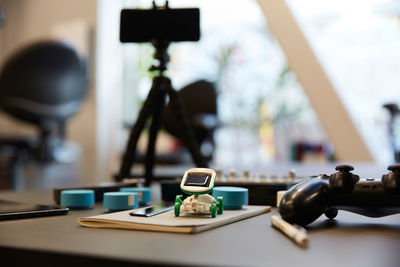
x=109, y=77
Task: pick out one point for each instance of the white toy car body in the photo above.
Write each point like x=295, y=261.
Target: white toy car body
x=201, y=204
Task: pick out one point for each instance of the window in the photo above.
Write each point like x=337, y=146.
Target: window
x=262, y=107
x=358, y=44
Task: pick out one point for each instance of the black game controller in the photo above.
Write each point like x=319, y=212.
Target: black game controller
x=306, y=201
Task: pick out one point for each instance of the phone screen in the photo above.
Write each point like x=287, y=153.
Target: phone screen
x=152, y=210
x=10, y=210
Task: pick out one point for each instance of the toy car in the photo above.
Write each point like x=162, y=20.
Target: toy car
x=198, y=182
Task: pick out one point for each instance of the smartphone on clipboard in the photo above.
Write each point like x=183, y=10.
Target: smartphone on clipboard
x=10, y=210
x=152, y=210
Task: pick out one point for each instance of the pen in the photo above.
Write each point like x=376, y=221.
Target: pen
x=296, y=233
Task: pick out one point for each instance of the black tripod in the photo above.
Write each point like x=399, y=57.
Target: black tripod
x=153, y=107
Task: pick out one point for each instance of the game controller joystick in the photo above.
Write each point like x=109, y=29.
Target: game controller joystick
x=306, y=201
x=343, y=181
x=391, y=181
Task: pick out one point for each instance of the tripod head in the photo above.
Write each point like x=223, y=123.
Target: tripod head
x=161, y=54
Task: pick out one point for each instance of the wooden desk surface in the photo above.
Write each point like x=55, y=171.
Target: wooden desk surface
x=353, y=241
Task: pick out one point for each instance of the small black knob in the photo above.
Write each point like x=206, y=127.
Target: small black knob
x=331, y=213
x=344, y=168
x=394, y=168
x=392, y=108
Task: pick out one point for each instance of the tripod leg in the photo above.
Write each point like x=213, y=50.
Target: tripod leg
x=187, y=134
x=154, y=127
x=130, y=153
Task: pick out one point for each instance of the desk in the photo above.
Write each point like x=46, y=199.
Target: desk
x=59, y=241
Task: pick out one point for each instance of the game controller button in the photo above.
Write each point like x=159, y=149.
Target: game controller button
x=344, y=168
x=394, y=168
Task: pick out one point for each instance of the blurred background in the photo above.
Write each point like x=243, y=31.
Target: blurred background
x=265, y=116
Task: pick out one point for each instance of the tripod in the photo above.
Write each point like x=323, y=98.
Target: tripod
x=153, y=107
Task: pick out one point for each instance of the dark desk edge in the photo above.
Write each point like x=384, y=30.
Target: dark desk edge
x=21, y=257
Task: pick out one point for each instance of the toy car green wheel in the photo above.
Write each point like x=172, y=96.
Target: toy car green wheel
x=213, y=210
x=220, y=205
x=177, y=209
x=178, y=198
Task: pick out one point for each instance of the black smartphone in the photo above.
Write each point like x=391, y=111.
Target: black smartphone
x=152, y=210
x=10, y=210
x=146, y=25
